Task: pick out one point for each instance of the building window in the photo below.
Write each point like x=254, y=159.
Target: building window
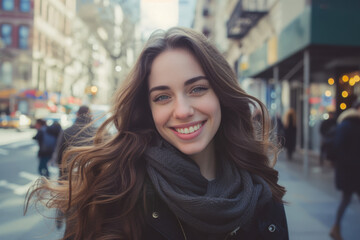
x=23, y=37
x=7, y=5
x=6, y=32
x=25, y=5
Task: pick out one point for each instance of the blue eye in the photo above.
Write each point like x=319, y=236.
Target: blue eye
x=161, y=98
x=199, y=89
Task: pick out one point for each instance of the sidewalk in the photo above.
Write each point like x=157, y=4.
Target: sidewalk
x=313, y=200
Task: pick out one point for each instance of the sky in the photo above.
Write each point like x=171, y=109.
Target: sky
x=158, y=14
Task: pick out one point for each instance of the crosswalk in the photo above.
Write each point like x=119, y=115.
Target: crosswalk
x=20, y=189
x=4, y=152
x=24, y=143
x=27, y=144
x=38, y=223
x=18, y=171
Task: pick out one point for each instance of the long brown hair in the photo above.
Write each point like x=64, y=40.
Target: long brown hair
x=105, y=181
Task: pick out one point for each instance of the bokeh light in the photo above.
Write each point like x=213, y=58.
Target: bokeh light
x=343, y=106
x=352, y=81
x=345, y=94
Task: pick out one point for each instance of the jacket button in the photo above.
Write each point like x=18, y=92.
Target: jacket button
x=272, y=228
x=155, y=215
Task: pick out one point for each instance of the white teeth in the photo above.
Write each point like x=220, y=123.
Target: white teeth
x=189, y=130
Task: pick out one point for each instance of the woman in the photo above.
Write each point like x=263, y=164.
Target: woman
x=186, y=162
x=290, y=132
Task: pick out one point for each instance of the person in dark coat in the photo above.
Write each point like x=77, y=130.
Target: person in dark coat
x=76, y=135
x=186, y=161
x=327, y=132
x=347, y=164
x=290, y=132
x=79, y=134
x=46, y=138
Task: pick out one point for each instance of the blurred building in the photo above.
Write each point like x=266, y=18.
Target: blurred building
x=115, y=26
x=16, y=22
x=290, y=52
x=58, y=54
x=186, y=13
x=52, y=52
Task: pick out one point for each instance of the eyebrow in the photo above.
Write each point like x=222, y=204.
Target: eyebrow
x=187, y=82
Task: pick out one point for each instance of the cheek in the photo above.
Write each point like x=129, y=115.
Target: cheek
x=212, y=106
x=159, y=116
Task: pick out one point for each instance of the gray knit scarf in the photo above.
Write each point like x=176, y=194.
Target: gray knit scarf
x=217, y=206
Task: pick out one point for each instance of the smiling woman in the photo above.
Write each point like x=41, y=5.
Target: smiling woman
x=186, y=162
x=185, y=110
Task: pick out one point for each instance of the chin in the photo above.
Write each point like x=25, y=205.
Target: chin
x=190, y=150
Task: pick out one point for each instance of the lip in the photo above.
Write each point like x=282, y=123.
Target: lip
x=189, y=136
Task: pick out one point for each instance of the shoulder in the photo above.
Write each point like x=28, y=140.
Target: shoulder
x=349, y=124
x=271, y=221
x=160, y=222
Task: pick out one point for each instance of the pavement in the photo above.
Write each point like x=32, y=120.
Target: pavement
x=313, y=200
x=311, y=197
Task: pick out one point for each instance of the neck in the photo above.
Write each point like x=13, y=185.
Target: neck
x=206, y=161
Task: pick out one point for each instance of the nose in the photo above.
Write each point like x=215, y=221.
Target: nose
x=183, y=108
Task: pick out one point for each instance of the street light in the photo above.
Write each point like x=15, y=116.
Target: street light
x=93, y=90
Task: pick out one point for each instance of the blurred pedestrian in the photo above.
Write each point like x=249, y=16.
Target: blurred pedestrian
x=76, y=135
x=54, y=129
x=279, y=129
x=327, y=132
x=290, y=132
x=186, y=162
x=47, y=143
x=347, y=163
x=79, y=134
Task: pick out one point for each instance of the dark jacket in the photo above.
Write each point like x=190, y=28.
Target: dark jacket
x=161, y=224
x=269, y=223
x=76, y=135
x=347, y=142
x=290, y=137
x=46, y=138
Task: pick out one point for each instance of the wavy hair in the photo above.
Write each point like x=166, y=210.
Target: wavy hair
x=106, y=181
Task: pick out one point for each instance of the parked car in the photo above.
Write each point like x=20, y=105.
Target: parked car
x=19, y=121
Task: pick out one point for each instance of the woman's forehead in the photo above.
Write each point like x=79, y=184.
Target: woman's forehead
x=174, y=65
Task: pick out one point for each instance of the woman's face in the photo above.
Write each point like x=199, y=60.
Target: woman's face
x=184, y=107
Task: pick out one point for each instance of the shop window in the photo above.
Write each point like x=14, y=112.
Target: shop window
x=6, y=74
x=25, y=5
x=23, y=37
x=7, y=5
x=6, y=31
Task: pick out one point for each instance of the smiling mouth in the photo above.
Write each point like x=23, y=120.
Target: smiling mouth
x=189, y=130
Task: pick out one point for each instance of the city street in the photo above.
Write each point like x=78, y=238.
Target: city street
x=312, y=201
x=17, y=172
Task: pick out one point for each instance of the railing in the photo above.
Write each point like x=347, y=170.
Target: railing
x=245, y=16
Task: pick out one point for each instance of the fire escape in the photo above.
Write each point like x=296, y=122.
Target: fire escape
x=246, y=14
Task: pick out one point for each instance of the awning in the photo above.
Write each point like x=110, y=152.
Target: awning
x=322, y=59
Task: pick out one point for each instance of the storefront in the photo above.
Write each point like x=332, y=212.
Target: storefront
x=305, y=62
